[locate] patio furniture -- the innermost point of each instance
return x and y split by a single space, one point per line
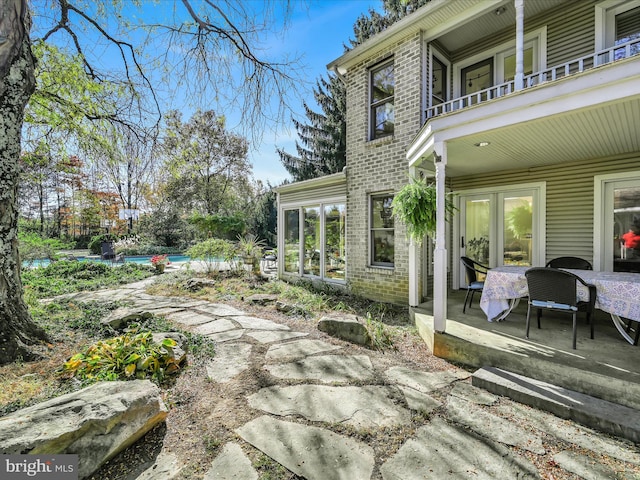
556 290
472 270
618 294
107 251
575 263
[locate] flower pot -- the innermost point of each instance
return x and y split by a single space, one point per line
160 267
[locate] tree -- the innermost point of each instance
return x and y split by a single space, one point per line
219 34
368 25
322 146
206 161
17 81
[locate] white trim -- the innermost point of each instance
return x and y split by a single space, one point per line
605 16
434 52
496 193
602 218
536 38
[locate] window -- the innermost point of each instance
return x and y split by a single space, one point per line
617 22
382 91
292 241
497 65
616 213
477 77
382 230
334 240
314 240
438 81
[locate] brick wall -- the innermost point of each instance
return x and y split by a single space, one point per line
380 166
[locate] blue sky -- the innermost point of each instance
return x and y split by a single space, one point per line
317 34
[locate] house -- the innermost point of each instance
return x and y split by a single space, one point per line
528 111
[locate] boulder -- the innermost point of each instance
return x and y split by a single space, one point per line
345 327
178 352
120 318
194 284
261 298
95 423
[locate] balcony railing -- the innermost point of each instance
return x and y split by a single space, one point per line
587 62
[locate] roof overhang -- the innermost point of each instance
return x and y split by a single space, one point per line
594 114
339 178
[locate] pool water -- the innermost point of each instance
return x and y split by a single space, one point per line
144 259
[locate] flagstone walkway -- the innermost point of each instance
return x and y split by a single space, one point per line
468 433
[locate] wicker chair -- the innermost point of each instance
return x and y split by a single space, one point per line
472 269
576 263
556 290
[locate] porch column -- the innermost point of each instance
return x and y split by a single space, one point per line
519 76
414 255
440 252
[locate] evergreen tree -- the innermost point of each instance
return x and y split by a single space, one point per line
368 25
322 146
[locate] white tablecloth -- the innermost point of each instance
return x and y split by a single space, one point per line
618 293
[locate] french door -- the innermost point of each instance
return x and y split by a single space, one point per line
501 227
620 224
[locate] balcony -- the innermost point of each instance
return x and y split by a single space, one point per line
596 60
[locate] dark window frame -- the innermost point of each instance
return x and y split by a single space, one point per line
374 104
372 229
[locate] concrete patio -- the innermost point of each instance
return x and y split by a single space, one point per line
606 367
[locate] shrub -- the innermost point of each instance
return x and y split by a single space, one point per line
34 247
212 252
132 355
96 242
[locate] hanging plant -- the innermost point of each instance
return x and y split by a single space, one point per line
415 206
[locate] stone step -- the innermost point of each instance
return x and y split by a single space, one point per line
593 412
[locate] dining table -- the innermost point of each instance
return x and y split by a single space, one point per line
617 293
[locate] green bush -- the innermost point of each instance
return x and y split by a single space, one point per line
212 252
34 247
132 355
96 242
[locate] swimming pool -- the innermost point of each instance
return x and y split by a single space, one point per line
143 259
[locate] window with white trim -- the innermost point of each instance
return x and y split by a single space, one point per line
617 22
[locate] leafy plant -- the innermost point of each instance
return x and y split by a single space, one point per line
132 355
34 247
415 206
212 252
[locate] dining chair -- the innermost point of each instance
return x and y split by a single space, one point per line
576 263
557 290
472 269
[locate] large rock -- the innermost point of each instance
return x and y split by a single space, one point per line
120 318
95 423
346 327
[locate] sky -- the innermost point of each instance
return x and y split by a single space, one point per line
318 34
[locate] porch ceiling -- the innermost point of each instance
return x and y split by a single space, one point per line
599 132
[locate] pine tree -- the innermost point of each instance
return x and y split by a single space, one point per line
322 146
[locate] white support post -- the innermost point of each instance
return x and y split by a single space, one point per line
519 75
440 252
414 268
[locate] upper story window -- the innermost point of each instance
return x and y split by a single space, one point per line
438 81
498 65
617 22
382 230
382 90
